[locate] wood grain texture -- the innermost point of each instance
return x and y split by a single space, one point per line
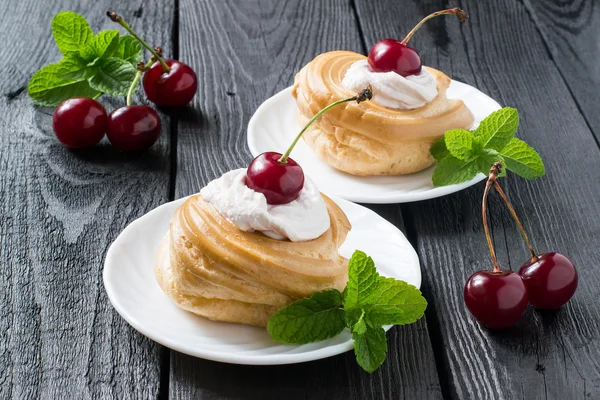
244 53
549 354
570 30
59 211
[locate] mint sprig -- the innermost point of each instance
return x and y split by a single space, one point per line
461 154
368 302
91 66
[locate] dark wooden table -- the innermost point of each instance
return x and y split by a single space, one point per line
60 210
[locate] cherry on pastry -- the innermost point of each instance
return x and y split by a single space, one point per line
279 177
394 55
79 122
550 278
168 83
497 298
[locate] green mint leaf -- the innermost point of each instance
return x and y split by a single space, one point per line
485 161
352 316
360 326
370 348
439 149
47 87
395 302
71 31
309 320
362 279
102 46
498 128
73 67
129 49
450 170
522 159
113 76
459 143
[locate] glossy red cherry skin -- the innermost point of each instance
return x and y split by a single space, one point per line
496 300
551 281
133 128
79 122
280 183
175 88
391 55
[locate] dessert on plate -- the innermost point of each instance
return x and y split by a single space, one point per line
254 241
230 256
392 134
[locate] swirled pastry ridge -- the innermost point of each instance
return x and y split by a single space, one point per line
206 265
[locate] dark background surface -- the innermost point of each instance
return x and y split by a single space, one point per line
60 210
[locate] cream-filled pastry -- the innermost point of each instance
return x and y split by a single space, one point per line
230 256
392 133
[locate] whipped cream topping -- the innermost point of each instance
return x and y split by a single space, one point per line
305 218
391 89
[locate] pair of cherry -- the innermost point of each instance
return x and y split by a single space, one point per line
82 122
498 298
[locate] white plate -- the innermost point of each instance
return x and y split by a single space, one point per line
135 294
274 125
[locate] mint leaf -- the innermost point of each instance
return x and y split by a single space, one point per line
439 149
485 161
362 279
360 326
370 348
459 143
450 170
129 49
73 67
113 76
47 87
309 320
522 159
498 128
395 302
71 31
102 46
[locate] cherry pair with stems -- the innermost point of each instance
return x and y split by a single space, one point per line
498 298
82 122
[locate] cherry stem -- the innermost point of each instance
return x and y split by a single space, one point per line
492 178
141 68
462 16
365 94
96 97
118 19
516 218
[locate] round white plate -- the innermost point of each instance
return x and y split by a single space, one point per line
135 294
274 126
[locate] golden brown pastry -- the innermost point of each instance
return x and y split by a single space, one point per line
208 266
368 138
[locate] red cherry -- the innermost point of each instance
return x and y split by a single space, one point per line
175 88
391 55
281 183
551 280
496 299
79 122
133 128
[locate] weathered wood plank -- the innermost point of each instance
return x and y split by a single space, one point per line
570 31
244 53
59 211
549 354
